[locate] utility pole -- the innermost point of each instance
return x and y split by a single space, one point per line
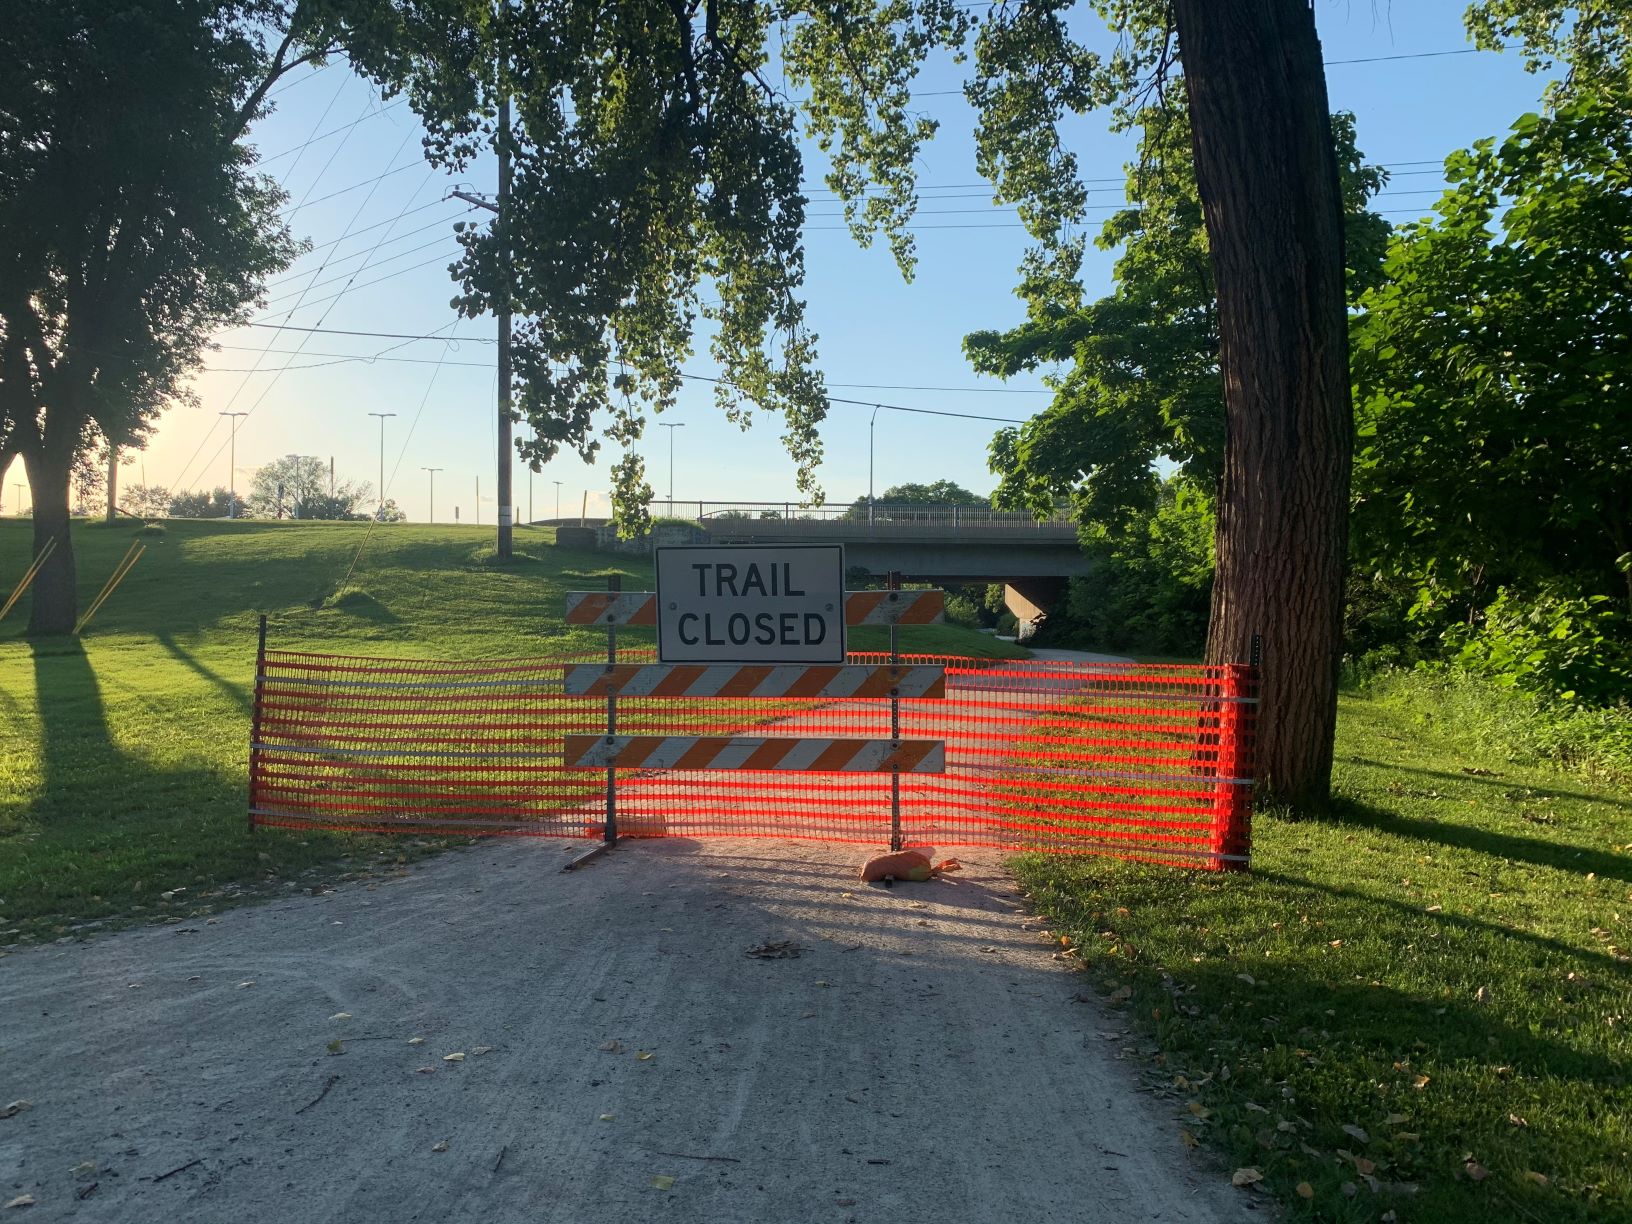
19 485
379 501
557 485
501 235
232 462
529 494
113 481
433 472
671 428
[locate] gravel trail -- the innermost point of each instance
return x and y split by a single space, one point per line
923 1058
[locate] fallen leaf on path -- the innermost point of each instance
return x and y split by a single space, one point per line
458 1056
83 1169
820 982
341 1016
480 1050
424 1070
1188 1139
1121 995
662 1181
22 1200
1305 1190
1246 1176
416 1041
643 1055
1356 1132
776 949
250 982
607 1117
612 1047
337 1047
440 1145
15 1108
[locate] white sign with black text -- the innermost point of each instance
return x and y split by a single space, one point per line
780 603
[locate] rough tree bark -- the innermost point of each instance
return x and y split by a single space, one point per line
1268 179
55 601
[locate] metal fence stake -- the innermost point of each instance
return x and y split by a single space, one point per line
895 721
614 584
255 721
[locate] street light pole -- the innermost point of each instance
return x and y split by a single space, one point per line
433 472
671 428
557 484
379 500
232 463
873 420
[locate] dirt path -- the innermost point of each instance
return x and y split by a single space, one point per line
924 1059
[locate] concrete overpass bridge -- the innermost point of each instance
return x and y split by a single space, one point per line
941 543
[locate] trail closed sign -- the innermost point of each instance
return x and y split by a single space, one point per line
743 604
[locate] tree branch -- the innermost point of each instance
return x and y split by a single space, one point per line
245 113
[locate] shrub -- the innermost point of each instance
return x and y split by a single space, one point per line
1556 642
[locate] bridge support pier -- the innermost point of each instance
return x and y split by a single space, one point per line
1030 599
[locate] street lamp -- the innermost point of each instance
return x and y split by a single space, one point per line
557 485
379 511
433 472
873 420
671 428
232 464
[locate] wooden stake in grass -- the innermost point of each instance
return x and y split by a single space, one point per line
28 576
133 555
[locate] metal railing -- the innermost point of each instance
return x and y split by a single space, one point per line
834 519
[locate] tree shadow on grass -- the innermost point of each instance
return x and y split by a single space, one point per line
1463 922
238 694
1559 855
1492 780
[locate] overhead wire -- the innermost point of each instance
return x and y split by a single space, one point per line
331 299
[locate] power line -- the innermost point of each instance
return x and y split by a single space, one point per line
345 127
289 212
363 229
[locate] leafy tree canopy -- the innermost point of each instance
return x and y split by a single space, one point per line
1589 41
1142 384
1494 367
297 486
199 503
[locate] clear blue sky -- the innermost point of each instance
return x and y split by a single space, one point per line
874 329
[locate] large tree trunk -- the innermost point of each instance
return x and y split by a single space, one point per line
55 605
1267 173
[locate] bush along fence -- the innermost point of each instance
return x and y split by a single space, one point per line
1142 761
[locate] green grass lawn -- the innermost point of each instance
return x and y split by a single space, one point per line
1418 1005
124 756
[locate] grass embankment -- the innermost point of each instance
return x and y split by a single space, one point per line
124 756
1418 1005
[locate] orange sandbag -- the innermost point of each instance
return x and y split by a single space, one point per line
905 865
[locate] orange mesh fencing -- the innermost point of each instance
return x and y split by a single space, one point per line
1142 761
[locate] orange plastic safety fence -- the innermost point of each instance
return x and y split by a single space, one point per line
1148 761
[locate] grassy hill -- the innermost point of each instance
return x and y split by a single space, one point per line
1415 1007
123 756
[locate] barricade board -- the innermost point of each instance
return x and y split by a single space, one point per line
746 752
764 680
